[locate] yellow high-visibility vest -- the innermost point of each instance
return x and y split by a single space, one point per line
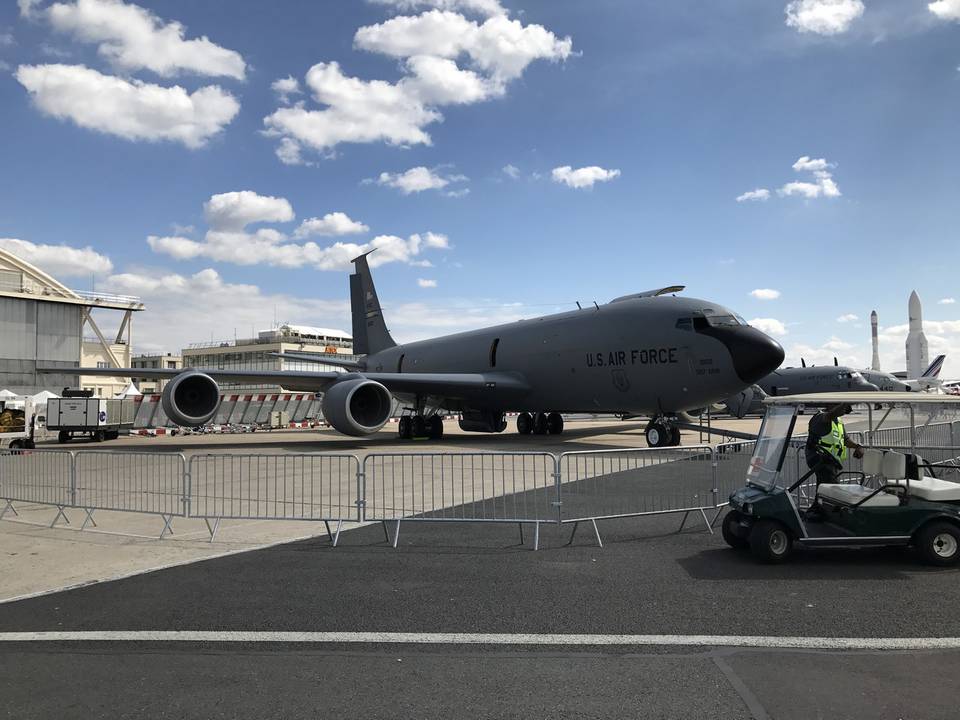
834 442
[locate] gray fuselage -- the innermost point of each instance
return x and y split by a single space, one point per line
647 355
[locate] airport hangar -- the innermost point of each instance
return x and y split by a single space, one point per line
43 322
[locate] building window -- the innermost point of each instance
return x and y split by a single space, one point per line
102 364
171 365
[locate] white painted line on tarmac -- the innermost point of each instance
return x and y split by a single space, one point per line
744 641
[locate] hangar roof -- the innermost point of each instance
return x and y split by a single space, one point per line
20 279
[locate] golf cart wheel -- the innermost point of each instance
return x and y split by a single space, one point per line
99 435
15 444
939 543
733 532
770 541
658 435
63 437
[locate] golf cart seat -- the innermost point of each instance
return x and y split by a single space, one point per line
852 493
925 487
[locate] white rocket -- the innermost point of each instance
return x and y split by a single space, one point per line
875 364
917 360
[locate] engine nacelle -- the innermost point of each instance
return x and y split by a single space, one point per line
357 407
483 421
191 399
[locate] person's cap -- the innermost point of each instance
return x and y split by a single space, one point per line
841 409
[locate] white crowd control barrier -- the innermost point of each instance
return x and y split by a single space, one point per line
606 484
31 476
496 487
463 487
317 487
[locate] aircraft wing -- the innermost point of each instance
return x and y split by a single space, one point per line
447 385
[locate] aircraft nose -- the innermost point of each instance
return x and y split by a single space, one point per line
755 354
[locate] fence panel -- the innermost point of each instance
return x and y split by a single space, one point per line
275 487
491 487
623 483
131 481
38 476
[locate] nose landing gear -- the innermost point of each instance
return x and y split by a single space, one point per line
661 433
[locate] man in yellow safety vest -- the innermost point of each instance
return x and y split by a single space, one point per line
827 443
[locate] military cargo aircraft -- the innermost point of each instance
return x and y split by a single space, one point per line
650 353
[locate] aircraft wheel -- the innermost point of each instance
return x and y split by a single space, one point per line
99 436
15 445
524 423
403 429
733 532
418 427
657 434
435 427
540 424
63 437
939 543
675 437
554 423
770 541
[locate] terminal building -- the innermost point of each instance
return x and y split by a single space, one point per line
260 353
167 361
43 323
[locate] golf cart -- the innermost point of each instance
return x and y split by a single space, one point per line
894 497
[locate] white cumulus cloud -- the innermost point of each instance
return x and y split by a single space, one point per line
765 294
848 317
133 38
945 9
771 326
418 179
584 177
758 194
426 283
431 47
130 109
480 7
285 87
823 186
236 210
823 17
946 301
59 260
229 239
331 224
511 171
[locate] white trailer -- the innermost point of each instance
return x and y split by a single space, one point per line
17 419
97 418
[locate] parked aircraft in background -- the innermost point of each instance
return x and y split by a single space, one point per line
797 381
929 380
650 353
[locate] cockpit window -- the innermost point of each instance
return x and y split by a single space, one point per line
723 321
685 324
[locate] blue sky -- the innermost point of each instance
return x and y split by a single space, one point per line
663 114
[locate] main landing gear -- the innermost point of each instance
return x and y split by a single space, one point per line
661 433
540 423
418 426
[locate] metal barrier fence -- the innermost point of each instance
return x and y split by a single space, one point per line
942 434
275 487
523 488
476 487
606 484
36 477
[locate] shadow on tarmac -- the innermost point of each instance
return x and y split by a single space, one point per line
842 564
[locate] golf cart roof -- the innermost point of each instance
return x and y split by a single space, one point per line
883 398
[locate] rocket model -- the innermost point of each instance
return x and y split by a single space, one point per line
875 364
916 341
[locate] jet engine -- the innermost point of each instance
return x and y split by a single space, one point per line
191 399
357 407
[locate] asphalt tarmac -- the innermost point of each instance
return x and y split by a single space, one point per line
457 578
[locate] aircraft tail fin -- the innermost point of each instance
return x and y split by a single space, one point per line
370 334
935 367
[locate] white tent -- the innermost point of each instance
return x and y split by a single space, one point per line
40 399
6 394
130 392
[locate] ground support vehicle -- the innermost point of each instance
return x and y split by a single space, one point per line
97 418
17 422
897 499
